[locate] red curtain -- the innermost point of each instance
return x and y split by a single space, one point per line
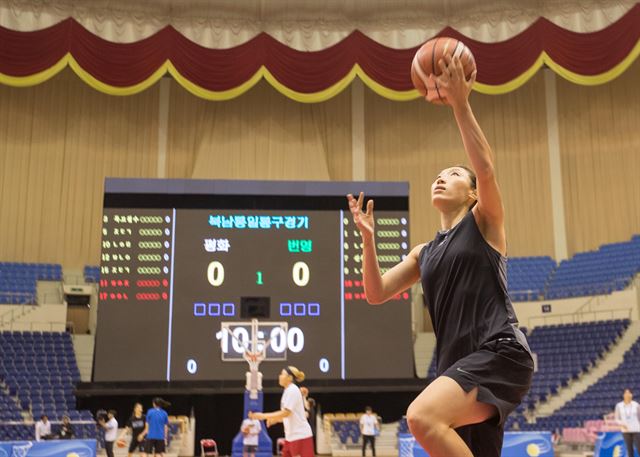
23 54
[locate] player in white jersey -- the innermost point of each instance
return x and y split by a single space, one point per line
297 431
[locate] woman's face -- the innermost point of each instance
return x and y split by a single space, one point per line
284 379
452 189
137 409
627 396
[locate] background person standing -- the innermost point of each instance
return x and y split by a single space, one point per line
628 414
369 428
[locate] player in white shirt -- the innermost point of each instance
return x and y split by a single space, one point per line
369 427
251 429
628 414
298 437
43 428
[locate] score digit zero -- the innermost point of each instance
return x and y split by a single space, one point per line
300 273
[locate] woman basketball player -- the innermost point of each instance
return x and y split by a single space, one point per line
298 438
484 363
135 426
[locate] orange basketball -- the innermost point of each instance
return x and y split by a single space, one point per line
426 60
121 443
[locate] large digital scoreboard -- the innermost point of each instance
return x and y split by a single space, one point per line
182 260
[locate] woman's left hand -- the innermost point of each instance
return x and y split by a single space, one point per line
453 82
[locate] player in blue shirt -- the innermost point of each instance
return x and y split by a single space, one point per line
156 430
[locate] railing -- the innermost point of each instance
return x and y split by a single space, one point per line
532 295
31 422
580 317
52 298
27 298
11 315
41 326
585 313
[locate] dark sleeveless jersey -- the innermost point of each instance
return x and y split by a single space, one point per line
465 288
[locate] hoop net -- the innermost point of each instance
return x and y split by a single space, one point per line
21 450
254 358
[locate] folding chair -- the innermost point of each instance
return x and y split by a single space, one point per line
208 447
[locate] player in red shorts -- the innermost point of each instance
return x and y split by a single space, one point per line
297 431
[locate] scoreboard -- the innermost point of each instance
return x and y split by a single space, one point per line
183 260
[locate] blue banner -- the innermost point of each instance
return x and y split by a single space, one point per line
515 444
531 444
265 445
610 444
52 448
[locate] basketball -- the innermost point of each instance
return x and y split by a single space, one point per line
426 60
121 443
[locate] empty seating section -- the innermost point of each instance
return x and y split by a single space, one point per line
18 280
91 274
38 372
600 398
527 277
565 351
347 431
40 369
9 408
343 426
610 268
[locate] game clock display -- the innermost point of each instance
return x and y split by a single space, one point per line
186 264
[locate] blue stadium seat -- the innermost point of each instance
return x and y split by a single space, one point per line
603 271
18 280
528 276
91 274
40 372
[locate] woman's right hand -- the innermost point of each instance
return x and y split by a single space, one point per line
364 221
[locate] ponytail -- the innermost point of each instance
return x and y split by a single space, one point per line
162 403
297 375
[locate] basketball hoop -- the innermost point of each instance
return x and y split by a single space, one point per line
252 341
254 377
256 347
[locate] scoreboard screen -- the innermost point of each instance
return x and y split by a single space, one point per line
185 264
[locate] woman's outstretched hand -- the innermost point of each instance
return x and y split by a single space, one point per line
363 220
453 81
